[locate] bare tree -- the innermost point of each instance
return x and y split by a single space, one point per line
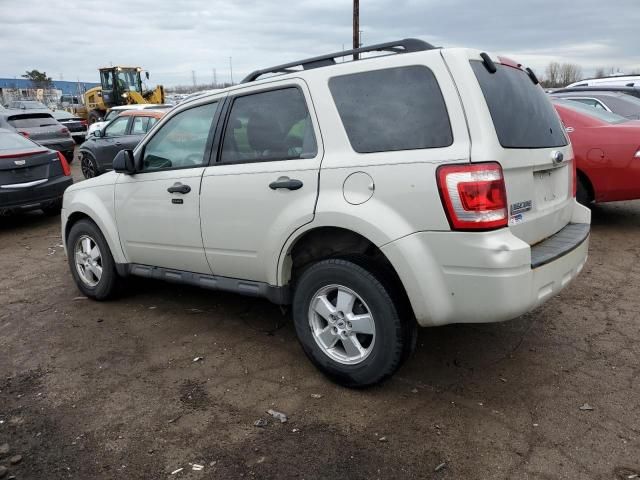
552 74
569 73
600 72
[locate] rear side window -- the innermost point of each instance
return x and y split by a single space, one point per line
32 120
266 126
522 114
140 125
392 109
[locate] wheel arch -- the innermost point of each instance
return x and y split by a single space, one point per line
104 221
324 242
582 176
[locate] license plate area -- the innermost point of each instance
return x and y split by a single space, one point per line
551 186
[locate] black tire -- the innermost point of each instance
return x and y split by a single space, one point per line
94 116
389 349
583 193
88 165
107 284
53 209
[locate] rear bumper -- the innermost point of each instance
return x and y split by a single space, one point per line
466 277
61 145
31 198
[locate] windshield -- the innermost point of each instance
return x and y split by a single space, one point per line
111 115
129 80
593 112
13 141
32 120
522 114
107 79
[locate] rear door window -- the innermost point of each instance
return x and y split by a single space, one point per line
32 120
522 114
140 125
267 126
392 109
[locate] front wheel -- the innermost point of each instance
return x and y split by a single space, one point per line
90 261
88 166
348 324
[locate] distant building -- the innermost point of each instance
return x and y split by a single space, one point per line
22 88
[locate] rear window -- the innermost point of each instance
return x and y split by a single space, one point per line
392 109
32 120
522 114
13 141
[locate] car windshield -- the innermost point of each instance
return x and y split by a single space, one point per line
111 115
13 141
31 120
593 112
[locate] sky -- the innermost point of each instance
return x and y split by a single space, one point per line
71 39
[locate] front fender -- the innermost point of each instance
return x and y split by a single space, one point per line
98 204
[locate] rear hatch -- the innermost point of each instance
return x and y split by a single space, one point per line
75 125
38 126
512 121
28 166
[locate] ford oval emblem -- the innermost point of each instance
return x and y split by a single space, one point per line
20 163
557 156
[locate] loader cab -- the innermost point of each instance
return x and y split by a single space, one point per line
117 83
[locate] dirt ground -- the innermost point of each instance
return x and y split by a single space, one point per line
111 390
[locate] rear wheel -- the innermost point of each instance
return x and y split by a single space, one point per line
88 166
53 208
90 261
583 193
348 324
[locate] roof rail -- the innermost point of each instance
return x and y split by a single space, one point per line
406 45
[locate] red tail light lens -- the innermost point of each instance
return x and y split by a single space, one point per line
84 122
23 133
66 169
64 130
474 196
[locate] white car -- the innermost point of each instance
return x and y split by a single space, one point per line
612 81
423 187
115 111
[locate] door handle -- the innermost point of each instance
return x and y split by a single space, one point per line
179 188
286 182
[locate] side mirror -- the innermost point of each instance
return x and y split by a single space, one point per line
146 74
124 162
97 133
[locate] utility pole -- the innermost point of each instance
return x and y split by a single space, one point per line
193 77
356 27
215 79
231 68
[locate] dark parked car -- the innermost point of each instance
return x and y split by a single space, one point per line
633 91
614 102
31 176
77 126
40 127
122 133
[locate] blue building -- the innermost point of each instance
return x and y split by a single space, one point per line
67 88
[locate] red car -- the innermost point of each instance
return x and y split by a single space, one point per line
607 151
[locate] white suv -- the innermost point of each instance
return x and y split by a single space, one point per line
422 187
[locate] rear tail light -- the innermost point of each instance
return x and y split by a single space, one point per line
473 195
23 133
637 155
64 130
84 122
66 169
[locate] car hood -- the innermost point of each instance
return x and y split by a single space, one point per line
108 178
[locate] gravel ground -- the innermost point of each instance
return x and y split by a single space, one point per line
111 390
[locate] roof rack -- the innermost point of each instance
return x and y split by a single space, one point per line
406 45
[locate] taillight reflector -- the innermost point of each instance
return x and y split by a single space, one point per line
66 169
474 196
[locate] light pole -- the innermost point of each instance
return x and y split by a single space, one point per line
231 68
356 27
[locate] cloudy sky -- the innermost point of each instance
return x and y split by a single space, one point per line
172 38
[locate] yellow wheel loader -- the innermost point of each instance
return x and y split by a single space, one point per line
119 86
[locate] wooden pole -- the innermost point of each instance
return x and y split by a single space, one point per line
356 27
